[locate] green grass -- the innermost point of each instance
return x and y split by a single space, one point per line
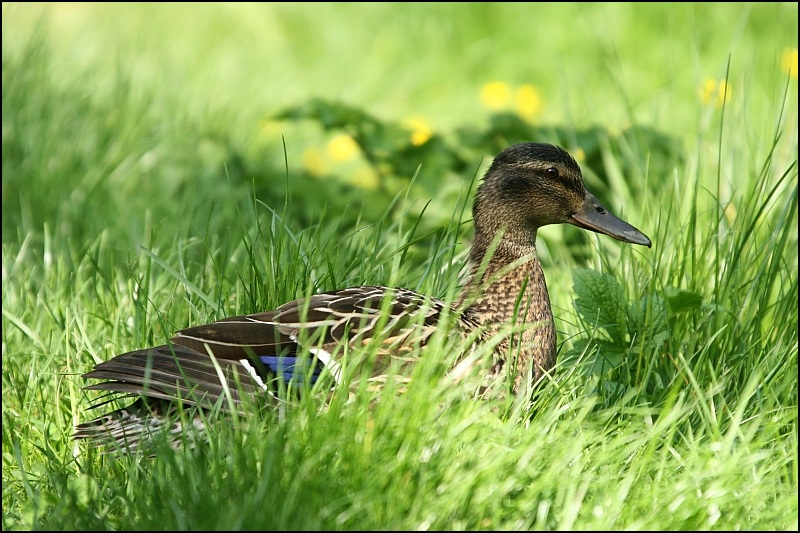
146 188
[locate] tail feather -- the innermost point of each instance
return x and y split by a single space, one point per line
173 372
135 427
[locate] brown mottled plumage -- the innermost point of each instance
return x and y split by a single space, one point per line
528 186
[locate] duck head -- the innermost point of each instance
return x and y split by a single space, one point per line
530 185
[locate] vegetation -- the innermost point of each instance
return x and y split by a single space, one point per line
166 165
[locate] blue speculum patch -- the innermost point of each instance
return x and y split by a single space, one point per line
290 367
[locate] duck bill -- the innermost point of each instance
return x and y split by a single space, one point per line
593 216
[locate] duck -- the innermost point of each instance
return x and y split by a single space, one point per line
527 186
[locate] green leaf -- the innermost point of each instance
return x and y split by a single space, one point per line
603 356
601 302
649 319
681 300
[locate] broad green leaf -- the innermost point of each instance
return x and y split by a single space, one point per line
599 356
600 301
649 319
681 300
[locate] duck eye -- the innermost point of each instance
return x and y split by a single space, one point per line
552 172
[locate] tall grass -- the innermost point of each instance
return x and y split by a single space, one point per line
130 211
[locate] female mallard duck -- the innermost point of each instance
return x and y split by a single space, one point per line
529 185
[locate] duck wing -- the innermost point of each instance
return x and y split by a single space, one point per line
244 354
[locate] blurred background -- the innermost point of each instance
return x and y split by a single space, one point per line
150 114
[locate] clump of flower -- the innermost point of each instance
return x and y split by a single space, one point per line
342 147
340 157
420 130
525 100
314 162
529 102
496 95
789 62
715 91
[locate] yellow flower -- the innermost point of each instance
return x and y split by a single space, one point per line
342 147
717 91
496 95
580 155
314 162
789 61
730 212
420 131
529 102
365 177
